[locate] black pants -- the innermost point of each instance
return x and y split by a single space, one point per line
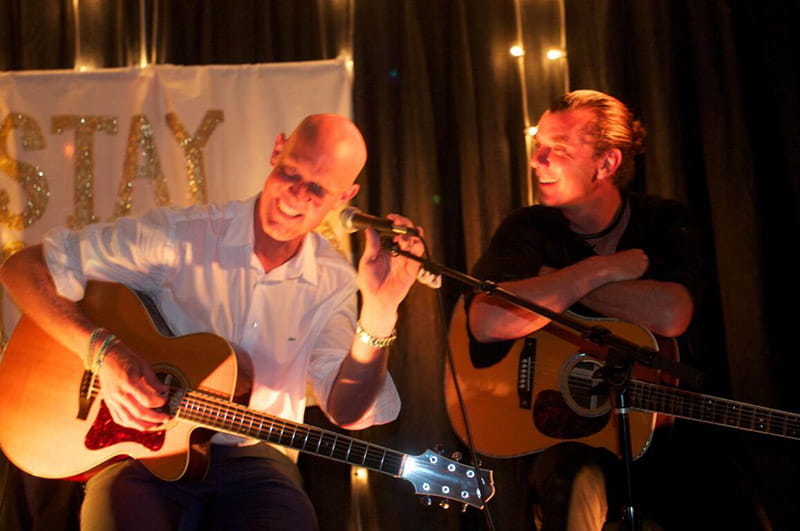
246 488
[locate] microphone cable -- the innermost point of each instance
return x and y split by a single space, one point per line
437 281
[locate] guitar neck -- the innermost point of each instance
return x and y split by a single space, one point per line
210 411
655 398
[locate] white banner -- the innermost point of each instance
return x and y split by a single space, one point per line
80 147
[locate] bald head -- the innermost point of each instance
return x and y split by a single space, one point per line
332 143
313 173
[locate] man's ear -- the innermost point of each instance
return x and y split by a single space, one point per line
349 194
611 161
277 149
346 196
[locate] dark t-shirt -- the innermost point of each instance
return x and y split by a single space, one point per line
692 475
534 236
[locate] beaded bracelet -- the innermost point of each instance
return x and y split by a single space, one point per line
95 357
88 361
109 342
368 339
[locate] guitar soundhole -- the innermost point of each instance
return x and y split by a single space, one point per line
177 382
584 393
579 409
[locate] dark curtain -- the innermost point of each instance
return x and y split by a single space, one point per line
438 98
715 83
248 31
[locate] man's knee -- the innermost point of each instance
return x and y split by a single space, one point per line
588 505
124 496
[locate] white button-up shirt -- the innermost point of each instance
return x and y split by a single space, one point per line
295 322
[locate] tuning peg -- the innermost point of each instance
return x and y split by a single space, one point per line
426 501
464 507
439 449
457 456
444 504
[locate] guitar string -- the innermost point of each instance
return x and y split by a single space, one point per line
375 456
695 406
210 409
673 401
212 406
207 410
720 411
698 407
705 408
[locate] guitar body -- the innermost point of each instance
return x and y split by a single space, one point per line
48 430
540 394
40 386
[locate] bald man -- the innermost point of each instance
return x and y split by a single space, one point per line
254 273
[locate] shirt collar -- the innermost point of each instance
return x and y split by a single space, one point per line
302 266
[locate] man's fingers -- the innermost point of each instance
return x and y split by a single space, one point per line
127 412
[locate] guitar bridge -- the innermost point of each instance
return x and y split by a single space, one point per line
527 358
86 396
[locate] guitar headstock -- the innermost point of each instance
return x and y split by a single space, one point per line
435 475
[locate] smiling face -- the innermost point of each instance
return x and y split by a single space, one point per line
566 167
313 173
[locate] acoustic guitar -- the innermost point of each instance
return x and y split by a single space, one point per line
52 425
545 391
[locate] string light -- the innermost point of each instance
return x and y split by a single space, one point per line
547 60
76 57
349 65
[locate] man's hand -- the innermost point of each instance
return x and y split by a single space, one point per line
624 265
131 390
384 279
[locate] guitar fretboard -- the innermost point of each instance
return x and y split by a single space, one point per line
712 410
210 411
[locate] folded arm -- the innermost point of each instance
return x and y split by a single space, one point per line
610 285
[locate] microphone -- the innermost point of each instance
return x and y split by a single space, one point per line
352 219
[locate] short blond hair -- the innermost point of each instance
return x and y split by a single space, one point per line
613 127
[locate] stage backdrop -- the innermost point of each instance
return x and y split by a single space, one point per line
81 147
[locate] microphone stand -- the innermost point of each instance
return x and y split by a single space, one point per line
620 358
